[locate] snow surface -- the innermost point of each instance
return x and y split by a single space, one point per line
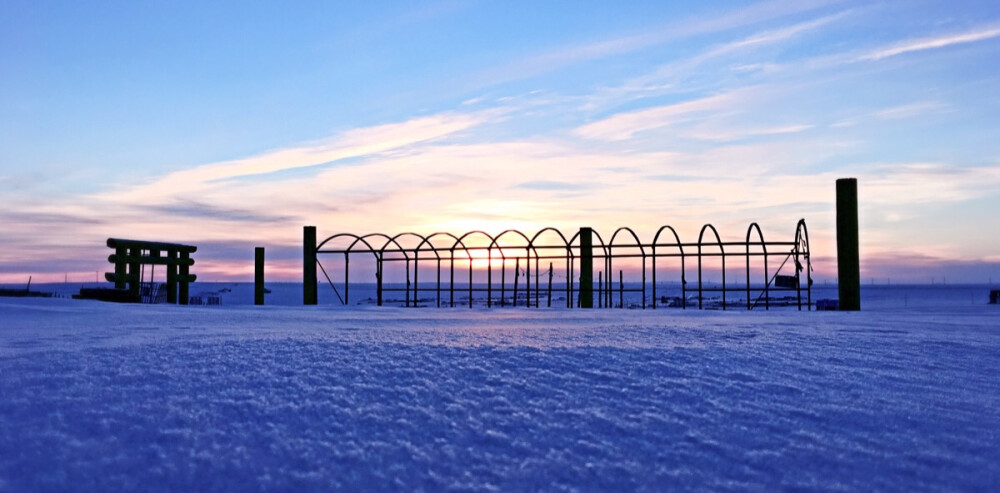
98 397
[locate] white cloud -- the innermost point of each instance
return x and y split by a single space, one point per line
922 44
624 125
582 52
909 110
354 143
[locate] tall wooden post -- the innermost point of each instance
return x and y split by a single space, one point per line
134 275
848 263
172 276
586 268
121 268
258 276
184 278
309 265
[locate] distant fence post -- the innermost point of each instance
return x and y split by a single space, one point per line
848 263
258 276
586 268
309 265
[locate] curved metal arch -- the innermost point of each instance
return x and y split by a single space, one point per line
416 263
802 241
800 227
503 270
355 242
597 235
701 235
461 239
556 231
767 283
677 237
680 246
642 251
434 249
347 253
395 239
495 241
567 244
722 249
611 242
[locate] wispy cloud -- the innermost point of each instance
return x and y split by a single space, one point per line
909 110
624 125
730 134
774 35
583 52
921 44
351 144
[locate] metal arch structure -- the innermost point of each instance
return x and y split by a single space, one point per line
464 253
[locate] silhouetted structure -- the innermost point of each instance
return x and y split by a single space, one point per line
131 255
848 263
258 276
995 296
549 244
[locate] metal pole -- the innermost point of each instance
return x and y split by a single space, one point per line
621 289
550 285
848 263
309 265
517 275
378 279
586 268
600 289
258 276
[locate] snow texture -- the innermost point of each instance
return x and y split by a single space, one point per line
101 397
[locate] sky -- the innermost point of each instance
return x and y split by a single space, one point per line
231 125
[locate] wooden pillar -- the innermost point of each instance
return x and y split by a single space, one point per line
848 263
121 268
258 276
184 278
586 268
172 276
309 265
134 276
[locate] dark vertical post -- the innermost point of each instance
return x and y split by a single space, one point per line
172 276
309 265
134 276
848 263
120 267
503 280
517 275
184 294
653 298
378 279
586 268
621 289
258 276
600 289
550 285
537 283
527 278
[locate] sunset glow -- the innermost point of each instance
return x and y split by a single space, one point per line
460 117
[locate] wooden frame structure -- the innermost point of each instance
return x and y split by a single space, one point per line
131 255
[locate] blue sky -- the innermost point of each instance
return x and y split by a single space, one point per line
232 125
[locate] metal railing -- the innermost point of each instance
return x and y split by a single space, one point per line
501 261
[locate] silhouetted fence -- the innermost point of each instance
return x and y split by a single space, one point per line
444 266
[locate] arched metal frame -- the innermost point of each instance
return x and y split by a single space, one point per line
445 249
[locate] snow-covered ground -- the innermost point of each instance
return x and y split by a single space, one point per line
98 397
